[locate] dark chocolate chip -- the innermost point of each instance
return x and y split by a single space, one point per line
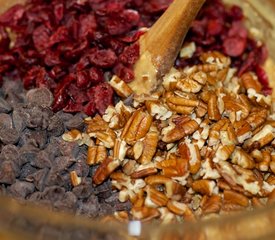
8 172
5 107
40 96
56 127
21 189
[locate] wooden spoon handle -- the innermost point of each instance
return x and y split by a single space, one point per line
166 36
160 46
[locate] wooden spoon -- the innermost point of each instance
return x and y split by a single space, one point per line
160 46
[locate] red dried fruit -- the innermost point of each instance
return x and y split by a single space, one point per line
214 27
102 95
124 72
87 25
234 46
130 54
104 58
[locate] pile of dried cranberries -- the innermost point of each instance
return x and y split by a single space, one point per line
73 47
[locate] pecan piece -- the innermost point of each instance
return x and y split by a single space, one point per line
72 136
204 186
120 87
95 124
212 204
155 198
179 130
250 80
181 209
137 126
96 154
235 198
75 180
105 169
213 111
150 144
145 213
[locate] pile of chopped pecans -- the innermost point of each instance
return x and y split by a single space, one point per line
202 144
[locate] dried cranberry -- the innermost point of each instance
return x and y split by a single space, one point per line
124 72
96 75
104 58
263 78
89 108
234 46
87 25
102 95
41 37
130 54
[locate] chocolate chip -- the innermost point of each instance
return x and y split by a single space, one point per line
10 152
38 178
56 127
88 207
81 168
9 135
62 163
54 193
67 203
54 179
5 107
5 121
18 118
21 189
8 172
39 117
40 96
42 160
37 138
75 122
26 170
84 190
27 153
68 148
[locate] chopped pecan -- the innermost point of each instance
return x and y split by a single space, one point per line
137 126
144 171
191 152
129 166
263 137
75 180
150 144
120 149
106 138
120 87
243 159
95 124
158 110
181 209
204 187
188 85
72 136
96 154
212 110
265 163
212 204
235 198
145 213
250 80
179 130
105 169
155 198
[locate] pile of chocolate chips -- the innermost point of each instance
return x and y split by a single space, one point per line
35 163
